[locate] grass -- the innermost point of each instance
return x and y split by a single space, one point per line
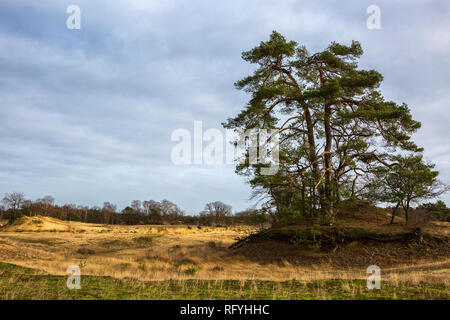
143 240
174 262
25 283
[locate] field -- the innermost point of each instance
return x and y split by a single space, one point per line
174 262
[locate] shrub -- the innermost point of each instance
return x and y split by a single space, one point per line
162 229
191 271
85 251
212 244
82 264
142 266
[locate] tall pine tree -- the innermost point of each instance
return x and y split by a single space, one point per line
334 123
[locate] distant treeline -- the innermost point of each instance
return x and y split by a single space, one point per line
216 213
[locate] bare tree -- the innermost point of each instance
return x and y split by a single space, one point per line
14 200
218 210
108 211
153 210
136 205
168 208
46 202
84 210
146 206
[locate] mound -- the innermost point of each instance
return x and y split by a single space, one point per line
361 211
348 255
40 223
362 235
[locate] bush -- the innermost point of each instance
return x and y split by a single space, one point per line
85 251
191 271
212 244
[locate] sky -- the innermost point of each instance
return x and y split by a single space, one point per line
86 115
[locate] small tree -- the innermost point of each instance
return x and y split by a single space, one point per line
408 180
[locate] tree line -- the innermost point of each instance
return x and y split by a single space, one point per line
217 213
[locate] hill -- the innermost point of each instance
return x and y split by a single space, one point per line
361 236
48 224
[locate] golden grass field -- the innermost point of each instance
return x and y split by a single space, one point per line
159 253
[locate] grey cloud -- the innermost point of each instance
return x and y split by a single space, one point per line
86 115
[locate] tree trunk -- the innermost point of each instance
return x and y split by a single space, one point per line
406 208
312 151
393 213
303 198
328 210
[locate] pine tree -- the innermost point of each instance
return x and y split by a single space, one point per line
334 123
408 180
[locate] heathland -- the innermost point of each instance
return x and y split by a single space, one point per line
289 261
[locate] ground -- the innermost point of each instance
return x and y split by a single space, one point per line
170 262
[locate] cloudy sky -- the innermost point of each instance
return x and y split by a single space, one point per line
87 115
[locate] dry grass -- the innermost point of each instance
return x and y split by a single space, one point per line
24 283
176 253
